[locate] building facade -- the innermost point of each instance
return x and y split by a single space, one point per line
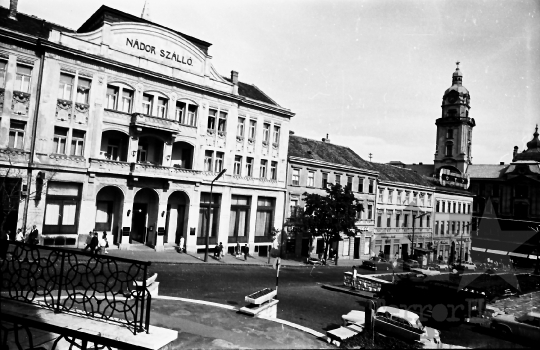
122 126
312 165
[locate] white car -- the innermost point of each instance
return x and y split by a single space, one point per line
428 271
465 266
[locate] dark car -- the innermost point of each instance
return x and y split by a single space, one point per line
376 263
410 264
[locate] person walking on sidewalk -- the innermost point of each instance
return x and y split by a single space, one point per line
88 241
94 244
216 251
104 243
19 237
33 236
181 244
246 252
238 249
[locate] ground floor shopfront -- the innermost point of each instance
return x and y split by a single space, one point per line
153 212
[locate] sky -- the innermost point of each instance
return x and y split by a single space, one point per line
370 73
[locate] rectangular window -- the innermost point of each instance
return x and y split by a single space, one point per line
311 179
162 107
454 208
444 207
453 227
450 134
112 97
275 138
371 188
421 221
142 153
436 228
262 172
16 134
360 184
249 167
296 177
24 74
77 142
240 127
379 219
346 246
113 149
180 112
367 245
127 100
104 214
349 182
428 220
266 132
273 170
370 212
324 180
237 165
60 140
468 208
3 69
397 219
191 115
437 206
406 220
208 155
442 228
252 129
381 193
83 90
219 162
338 179
209 220
222 120
428 200
61 208
264 218
212 114
239 220
66 87
388 219
390 196
147 104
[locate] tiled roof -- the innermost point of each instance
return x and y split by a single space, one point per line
486 171
253 92
324 151
398 174
27 24
422 169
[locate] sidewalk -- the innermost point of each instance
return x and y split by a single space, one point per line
173 257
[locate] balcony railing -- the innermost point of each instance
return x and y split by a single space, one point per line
109 166
138 119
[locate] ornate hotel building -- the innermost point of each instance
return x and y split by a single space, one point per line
122 126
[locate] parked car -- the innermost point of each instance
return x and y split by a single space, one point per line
465 266
410 264
441 266
525 327
376 263
428 271
403 324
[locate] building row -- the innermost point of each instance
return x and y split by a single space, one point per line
124 126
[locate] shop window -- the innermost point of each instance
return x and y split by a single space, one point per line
208 219
265 212
83 90
16 134
239 219
23 78
262 172
273 170
66 87
240 127
147 102
77 142
112 97
104 214
311 179
62 206
237 169
249 167
3 69
60 140
361 184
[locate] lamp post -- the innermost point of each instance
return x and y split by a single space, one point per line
208 214
413 223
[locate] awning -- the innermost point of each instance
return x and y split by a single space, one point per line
479 249
423 250
500 252
519 255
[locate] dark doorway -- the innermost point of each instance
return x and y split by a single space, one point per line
405 251
263 250
305 247
387 251
356 247
320 247
138 224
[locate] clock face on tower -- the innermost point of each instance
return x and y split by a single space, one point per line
453 96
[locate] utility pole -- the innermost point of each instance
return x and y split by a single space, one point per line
208 214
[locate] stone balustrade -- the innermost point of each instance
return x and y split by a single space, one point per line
108 166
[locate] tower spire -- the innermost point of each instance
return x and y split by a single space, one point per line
146 11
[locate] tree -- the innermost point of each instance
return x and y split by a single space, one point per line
331 215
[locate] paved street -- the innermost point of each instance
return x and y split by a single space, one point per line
302 299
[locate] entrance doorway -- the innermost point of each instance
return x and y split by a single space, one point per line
404 251
138 223
109 208
387 251
356 247
176 221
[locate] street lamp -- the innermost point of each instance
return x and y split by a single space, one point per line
208 214
413 223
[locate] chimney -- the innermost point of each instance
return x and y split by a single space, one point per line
501 163
291 132
326 140
234 80
515 153
13 9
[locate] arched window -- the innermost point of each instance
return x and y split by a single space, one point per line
448 149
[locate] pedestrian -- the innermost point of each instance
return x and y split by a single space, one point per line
440 259
221 251
331 254
33 236
354 273
19 237
182 244
88 241
94 244
238 249
381 254
336 259
246 252
104 243
216 251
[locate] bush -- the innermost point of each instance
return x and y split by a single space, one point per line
362 341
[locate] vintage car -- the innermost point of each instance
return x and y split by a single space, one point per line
376 263
428 271
526 327
465 266
440 266
410 264
403 324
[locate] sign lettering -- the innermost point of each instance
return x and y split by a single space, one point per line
173 56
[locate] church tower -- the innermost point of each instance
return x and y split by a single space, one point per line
454 128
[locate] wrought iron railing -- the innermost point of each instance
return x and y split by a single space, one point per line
69 281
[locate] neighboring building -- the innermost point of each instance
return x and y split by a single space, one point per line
404 213
122 125
312 165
